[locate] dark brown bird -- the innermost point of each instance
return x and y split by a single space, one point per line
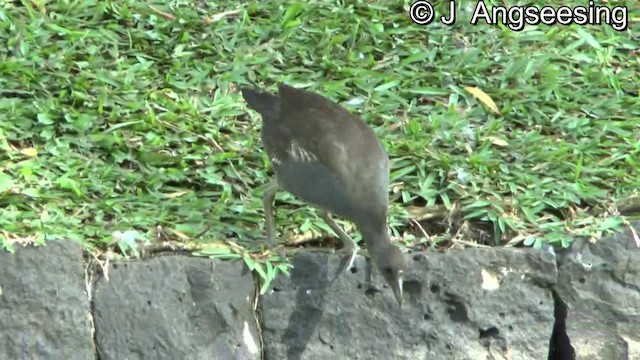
330 158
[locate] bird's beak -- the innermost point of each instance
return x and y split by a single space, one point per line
397 288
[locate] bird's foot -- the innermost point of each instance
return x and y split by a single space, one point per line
347 261
350 252
372 289
272 246
280 251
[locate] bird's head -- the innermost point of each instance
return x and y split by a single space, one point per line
391 263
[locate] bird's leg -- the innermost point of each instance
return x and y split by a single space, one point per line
349 245
371 288
369 274
267 202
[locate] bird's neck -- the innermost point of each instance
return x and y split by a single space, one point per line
375 234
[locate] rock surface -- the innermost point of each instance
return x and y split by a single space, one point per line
176 307
43 304
494 303
600 284
472 304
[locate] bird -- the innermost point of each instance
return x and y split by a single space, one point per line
331 159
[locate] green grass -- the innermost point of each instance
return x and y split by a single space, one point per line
140 133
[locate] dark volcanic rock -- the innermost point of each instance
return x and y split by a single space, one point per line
176 308
600 284
473 304
44 310
470 304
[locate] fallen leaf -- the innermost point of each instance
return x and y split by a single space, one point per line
497 141
483 97
174 195
30 152
217 17
164 14
180 234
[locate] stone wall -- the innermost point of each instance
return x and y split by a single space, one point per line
498 303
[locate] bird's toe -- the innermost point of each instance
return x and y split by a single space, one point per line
350 253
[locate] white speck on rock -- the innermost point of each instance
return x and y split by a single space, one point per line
490 282
248 339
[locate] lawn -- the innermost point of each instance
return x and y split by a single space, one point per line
121 121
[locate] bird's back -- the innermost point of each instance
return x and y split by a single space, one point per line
322 153
323 124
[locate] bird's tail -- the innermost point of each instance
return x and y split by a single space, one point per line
268 105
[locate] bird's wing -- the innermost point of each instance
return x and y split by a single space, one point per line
336 137
341 142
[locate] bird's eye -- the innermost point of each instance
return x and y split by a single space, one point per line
387 270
